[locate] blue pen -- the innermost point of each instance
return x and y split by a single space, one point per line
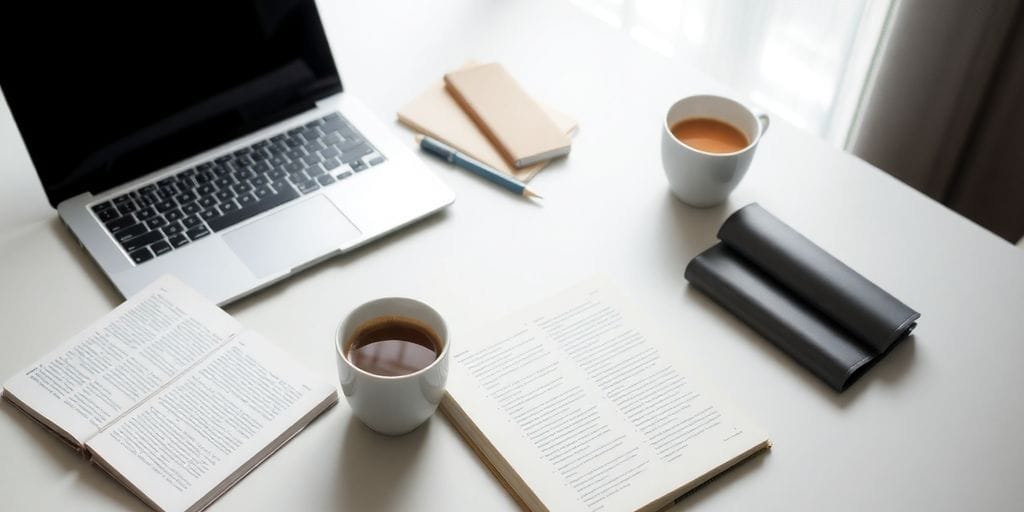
445 152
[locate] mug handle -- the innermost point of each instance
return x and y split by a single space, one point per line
763 120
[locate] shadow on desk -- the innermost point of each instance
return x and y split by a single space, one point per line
68 461
374 467
889 369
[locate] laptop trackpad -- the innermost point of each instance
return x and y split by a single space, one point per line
295 235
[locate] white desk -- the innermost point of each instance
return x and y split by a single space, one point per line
935 426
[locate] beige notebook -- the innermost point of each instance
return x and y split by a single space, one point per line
581 403
436 114
516 125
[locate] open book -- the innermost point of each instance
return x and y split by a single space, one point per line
171 396
577 403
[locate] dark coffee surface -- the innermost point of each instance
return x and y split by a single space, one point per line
393 346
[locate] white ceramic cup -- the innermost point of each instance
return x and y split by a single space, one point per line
393 405
699 178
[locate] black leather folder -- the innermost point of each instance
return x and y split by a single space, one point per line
821 312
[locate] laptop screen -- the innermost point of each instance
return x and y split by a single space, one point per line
103 92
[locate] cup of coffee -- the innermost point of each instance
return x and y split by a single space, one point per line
707 143
392 357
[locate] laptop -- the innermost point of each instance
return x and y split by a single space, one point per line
208 140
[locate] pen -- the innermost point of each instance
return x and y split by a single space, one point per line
445 152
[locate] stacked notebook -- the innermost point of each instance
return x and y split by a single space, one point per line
822 313
482 111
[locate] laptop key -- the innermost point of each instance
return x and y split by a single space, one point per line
209 213
164 206
314 171
307 186
126 207
206 189
225 195
332 163
141 255
172 229
246 199
376 160
228 206
191 221
161 247
130 232
359 166
101 206
141 241
207 201
191 208
197 232
325 180
344 175
156 222
119 200
145 213
178 240
108 214
262 191
232 217
185 197
311 159
355 153
173 215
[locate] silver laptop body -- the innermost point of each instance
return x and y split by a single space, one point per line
274 169
238 260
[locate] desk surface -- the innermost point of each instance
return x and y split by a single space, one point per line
935 426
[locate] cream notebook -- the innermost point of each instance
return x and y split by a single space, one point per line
579 403
516 125
436 114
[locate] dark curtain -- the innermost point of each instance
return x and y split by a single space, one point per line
944 109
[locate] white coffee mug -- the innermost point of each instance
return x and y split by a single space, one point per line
699 178
393 405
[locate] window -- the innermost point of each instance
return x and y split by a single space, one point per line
807 62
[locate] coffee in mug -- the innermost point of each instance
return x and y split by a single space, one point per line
392 356
707 143
393 346
710 135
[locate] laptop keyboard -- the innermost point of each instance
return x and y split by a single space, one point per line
161 217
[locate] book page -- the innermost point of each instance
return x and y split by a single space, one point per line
122 359
592 408
192 440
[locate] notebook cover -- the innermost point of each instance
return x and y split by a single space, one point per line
821 312
436 114
874 316
516 125
792 325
